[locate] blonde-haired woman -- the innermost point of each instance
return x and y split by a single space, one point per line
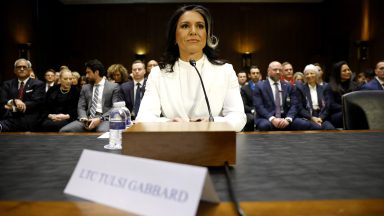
117 73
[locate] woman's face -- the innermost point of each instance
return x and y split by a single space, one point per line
191 35
66 79
116 76
345 73
310 77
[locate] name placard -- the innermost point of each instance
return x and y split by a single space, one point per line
141 186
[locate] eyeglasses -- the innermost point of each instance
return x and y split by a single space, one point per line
21 67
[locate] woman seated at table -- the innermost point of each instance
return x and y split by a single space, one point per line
174 89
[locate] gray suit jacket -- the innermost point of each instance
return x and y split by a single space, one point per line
110 95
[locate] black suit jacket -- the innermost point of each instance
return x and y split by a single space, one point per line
247 96
34 94
305 101
127 93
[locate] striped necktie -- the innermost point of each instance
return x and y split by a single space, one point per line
95 99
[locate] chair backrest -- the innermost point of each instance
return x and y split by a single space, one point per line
363 110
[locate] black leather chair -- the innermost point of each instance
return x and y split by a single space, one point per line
363 110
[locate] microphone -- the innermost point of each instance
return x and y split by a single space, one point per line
193 63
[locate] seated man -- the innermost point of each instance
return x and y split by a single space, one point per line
247 96
95 102
276 103
132 91
376 83
21 100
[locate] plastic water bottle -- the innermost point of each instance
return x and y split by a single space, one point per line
128 120
117 121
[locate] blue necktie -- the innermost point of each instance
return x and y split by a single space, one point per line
137 99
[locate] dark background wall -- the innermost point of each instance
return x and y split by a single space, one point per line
301 33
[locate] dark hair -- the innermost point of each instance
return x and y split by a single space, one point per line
335 79
172 51
95 65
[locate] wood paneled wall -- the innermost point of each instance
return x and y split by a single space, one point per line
300 33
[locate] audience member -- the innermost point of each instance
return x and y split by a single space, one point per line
276 103
376 83
49 77
247 96
83 81
32 74
311 102
298 76
95 102
360 78
57 77
174 90
242 78
340 83
61 103
321 74
22 98
132 91
288 73
151 64
369 74
76 79
117 73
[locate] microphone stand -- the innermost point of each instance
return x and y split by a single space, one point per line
193 63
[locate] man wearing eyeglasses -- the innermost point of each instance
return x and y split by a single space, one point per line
22 99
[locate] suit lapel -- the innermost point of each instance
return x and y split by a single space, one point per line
284 88
131 91
307 94
15 88
268 87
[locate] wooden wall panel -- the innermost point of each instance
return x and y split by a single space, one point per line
299 33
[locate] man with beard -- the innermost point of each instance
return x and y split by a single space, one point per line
276 103
95 102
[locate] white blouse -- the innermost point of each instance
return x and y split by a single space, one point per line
179 94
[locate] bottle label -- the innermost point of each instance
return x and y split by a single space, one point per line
117 125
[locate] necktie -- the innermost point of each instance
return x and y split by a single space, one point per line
277 100
20 94
95 99
137 99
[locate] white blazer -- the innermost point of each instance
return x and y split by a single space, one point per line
163 95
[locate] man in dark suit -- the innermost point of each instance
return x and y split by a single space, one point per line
247 96
21 100
95 102
132 91
276 103
376 83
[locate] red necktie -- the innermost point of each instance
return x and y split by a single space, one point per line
20 95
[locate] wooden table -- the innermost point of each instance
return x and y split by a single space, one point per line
277 173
